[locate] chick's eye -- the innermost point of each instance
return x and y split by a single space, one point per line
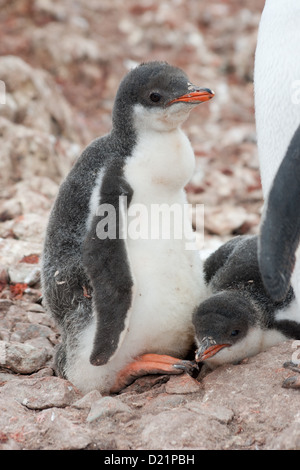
155 97
234 332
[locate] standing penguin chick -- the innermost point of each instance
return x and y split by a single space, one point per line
118 297
240 319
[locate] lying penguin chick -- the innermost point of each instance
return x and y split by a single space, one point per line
229 329
240 319
123 300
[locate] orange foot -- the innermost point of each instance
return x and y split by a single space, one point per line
151 364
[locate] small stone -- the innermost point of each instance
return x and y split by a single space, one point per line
4 334
12 251
6 376
35 308
163 401
24 273
3 274
106 407
292 382
87 400
21 358
182 384
45 372
221 413
41 393
61 432
287 439
24 331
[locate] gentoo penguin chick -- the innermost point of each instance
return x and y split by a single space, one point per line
277 111
123 298
240 319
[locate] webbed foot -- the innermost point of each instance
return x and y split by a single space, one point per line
151 364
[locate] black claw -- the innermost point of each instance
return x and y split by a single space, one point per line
292 366
291 382
187 366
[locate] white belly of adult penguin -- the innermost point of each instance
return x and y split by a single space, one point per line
277 104
114 297
277 84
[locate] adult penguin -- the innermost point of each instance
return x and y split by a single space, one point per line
277 107
276 84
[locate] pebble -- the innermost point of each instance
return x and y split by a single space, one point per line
62 433
42 392
87 400
292 382
182 384
22 358
24 273
221 413
107 407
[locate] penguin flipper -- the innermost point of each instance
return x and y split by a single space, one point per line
107 265
151 364
280 229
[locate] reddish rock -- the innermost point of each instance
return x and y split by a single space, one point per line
182 384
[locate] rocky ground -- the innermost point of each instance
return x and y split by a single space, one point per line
61 63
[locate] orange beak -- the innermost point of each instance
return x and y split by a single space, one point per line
198 96
209 352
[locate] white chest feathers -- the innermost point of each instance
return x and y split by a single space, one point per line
162 163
